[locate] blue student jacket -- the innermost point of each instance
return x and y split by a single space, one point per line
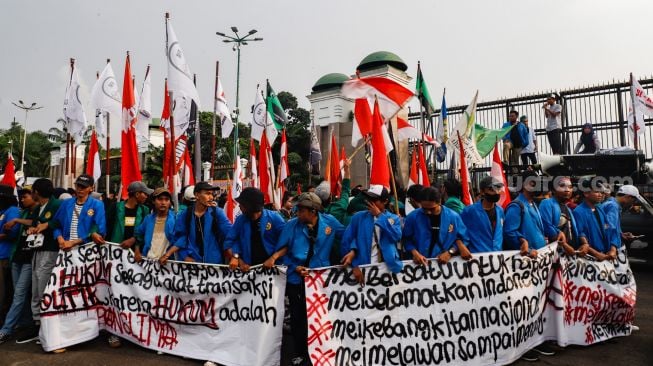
599 238
295 237
91 219
144 232
529 226
523 132
6 246
550 212
185 235
613 214
239 238
417 231
482 238
358 236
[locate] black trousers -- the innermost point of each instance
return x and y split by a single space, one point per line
525 157
298 321
555 140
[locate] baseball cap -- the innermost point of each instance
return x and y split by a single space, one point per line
84 180
310 200
552 96
138 186
204 186
323 190
490 182
161 191
629 190
252 198
189 193
377 191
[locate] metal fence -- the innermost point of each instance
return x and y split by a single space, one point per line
605 106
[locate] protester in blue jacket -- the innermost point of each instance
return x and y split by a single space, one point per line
523 229
593 224
201 228
254 234
372 235
484 219
306 242
155 235
558 219
81 218
8 212
515 140
434 230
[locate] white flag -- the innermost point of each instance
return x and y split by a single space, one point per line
73 109
237 184
223 111
180 82
643 102
261 119
465 128
641 125
105 98
144 117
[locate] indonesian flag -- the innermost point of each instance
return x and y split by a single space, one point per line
464 176
187 168
9 178
379 171
413 177
130 170
230 205
333 168
430 140
497 173
392 96
93 161
284 170
223 111
405 131
362 126
423 177
266 173
252 165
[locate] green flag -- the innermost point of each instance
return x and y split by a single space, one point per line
423 92
486 138
275 110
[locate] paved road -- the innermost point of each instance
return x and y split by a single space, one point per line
632 351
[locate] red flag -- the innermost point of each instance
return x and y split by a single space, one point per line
130 170
423 171
265 177
497 173
189 177
380 172
284 170
230 205
464 176
93 160
413 178
363 121
334 167
299 188
252 165
10 173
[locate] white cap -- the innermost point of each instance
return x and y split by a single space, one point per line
630 190
189 193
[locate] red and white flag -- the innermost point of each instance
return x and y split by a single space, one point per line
392 96
93 162
423 176
284 171
130 169
413 178
233 191
464 176
406 131
266 173
343 158
379 171
496 172
362 126
253 170
9 177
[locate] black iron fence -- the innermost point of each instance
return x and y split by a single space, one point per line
605 106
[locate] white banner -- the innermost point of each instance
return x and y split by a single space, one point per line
486 311
642 100
200 311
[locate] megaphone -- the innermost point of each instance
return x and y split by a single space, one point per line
549 161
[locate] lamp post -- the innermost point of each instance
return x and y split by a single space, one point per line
238 41
26 108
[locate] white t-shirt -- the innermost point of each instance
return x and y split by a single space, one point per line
375 251
554 122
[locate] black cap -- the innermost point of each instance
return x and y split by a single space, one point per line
85 180
377 192
204 186
252 198
490 182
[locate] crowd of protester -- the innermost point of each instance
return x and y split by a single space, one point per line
364 225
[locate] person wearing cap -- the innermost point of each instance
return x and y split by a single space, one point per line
434 230
21 269
528 152
553 114
558 220
627 195
484 219
125 216
372 235
593 224
253 237
8 211
187 198
305 242
201 228
154 235
523 229
589 141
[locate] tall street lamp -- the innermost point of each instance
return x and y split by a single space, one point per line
26 108
238 41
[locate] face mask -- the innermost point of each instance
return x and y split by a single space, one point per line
494 198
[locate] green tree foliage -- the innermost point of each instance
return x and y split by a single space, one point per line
37 150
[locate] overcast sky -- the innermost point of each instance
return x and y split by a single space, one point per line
502 48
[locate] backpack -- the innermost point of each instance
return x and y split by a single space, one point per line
515 137
215 228
521 219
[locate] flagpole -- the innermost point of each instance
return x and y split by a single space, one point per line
421 109
141 155
68 177
215 116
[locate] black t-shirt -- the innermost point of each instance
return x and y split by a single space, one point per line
597 215
199 232
23 255
312 238
565 223
492 215
130 222
435 232
259 254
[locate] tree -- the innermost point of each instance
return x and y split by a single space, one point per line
37 149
